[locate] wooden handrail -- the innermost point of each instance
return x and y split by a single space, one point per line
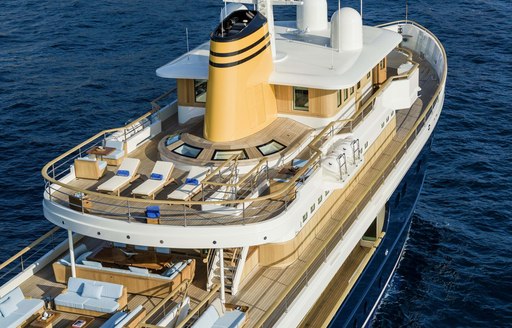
196 309
335 229
29 247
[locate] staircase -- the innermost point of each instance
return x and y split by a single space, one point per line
234 260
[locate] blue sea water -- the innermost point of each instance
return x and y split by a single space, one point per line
69 69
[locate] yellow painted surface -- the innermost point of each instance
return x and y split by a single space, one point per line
240 101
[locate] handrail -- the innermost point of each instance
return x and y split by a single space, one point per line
29 247
287 187
230 160
151 313
335 230
196 309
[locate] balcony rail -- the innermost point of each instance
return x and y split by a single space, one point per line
348 216
179 212
31 253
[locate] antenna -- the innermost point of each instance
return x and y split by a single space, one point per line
361 12
406 11
188 48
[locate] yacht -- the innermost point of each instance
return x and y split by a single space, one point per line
272 187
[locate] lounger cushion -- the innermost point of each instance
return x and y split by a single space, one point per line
163 250
92 264
92 291
106 305
116 154
79 250
148 187
8 307
102 165
207 319
80 259
16 295
139 270
123 173
114 144
25 309
169 272
71 299
231 319
133 313
156 176
114 320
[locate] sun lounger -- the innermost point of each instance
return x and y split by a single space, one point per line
158 179
191 186
126 173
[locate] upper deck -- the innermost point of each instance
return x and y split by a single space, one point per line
305 60
260 196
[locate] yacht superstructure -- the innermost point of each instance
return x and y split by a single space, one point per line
275 188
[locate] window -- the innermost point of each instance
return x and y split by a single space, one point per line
368 75
223 155
358 85
301 99
305 217
200 87
187 151
312 209
339 98
172 139
270 148
382 63
351 91
320 199
345 94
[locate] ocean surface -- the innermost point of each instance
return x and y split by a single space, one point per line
69 69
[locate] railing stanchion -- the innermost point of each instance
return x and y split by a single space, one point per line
22 264
185 213
129 211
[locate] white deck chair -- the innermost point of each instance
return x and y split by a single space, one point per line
187 190
126 173
158 179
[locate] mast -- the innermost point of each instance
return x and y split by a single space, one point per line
265 7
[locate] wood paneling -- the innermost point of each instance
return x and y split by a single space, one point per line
186 94
136 284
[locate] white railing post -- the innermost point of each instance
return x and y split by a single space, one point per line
71 253
222 282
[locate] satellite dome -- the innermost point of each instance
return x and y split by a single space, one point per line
312 15
346 30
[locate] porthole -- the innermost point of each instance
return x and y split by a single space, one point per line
312 208
305 217
382 125
320 199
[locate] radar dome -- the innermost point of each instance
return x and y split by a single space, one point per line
312 15
346 30
229 8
